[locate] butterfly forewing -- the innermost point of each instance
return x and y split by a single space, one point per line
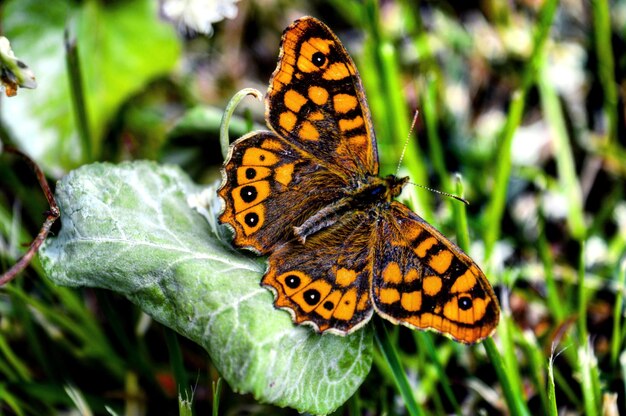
423 280
269 187
316 100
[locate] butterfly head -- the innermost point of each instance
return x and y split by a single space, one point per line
395 185
374 190
377 189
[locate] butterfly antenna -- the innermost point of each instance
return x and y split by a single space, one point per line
406 142
458 198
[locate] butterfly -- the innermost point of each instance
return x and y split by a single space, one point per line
307 194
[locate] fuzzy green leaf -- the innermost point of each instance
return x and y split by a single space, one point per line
130 228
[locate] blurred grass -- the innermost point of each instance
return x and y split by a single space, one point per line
503 168
550 232
606 68
392 360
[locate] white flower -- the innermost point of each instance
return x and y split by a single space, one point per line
198 15
555 204
596 251
13 72
531 144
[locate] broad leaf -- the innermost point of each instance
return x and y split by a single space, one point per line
121 45
130 228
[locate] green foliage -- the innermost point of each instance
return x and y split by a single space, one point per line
129 228
115 47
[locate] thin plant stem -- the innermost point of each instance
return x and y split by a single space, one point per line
569 184
51 216
606 66
618 313
582 302
228 113
516 404
79 104
393 361
495 210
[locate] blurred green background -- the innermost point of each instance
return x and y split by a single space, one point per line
524 99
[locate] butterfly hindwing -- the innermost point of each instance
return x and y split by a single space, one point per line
424 281
326 281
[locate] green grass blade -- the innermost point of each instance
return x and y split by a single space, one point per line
555 303
516 403
587 361
393 361
565 387
596 384
37 341
6 372
176 360
185 406
622 362
393 119
509 354
460 216
495 209
132 391
79 400
14 368
536 364
77 323
552 407
442 377
217 389
569 183
618 313
606 67
582 298
77 92
431 118
9 401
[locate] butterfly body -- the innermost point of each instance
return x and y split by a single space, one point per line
371 195
308 195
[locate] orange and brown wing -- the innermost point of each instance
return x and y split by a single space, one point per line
424 281
269 187
326 281
316 100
